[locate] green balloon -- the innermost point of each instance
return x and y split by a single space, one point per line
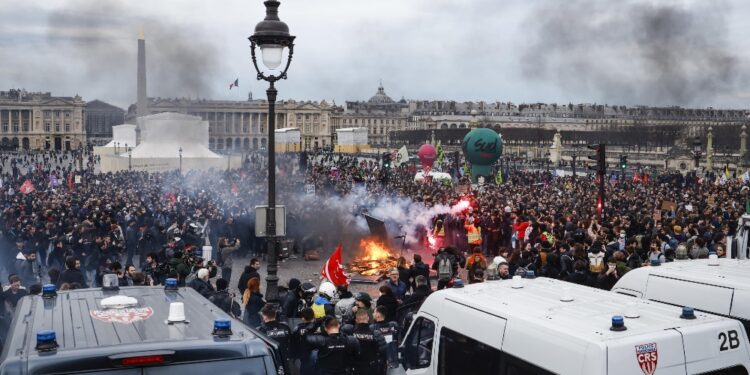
482 147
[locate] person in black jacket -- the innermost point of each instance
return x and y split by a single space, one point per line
71 274
390 332
299 347
277 331
388 300
418 268
372 345
201 283
336 351
225 300
290 305
251 271
581 275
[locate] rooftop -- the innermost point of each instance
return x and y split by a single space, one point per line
588 317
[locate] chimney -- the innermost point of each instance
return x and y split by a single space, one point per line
142 102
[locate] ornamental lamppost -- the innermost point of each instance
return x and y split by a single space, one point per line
130 158
180 150
272 36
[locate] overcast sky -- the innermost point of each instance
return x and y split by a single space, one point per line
687 53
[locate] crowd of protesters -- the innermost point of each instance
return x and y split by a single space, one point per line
73 225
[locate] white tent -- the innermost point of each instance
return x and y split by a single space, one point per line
163 134
123 135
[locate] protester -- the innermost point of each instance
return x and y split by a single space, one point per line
224 299
253 301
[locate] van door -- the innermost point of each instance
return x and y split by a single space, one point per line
659 353
713 346
419 346
705 297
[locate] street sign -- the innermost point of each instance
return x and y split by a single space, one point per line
260 221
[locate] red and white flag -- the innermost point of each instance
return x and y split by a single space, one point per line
333 270
27 187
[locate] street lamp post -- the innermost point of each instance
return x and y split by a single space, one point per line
272 36
180 160
130 158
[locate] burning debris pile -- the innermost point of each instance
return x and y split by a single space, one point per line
376 261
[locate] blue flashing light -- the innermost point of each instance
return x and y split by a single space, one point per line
687 313
49 291
618 323
222 328
46 340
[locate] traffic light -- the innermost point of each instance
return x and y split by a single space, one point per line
600 158
623 161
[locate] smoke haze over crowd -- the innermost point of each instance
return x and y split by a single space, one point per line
688 53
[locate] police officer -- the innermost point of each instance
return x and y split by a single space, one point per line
276 330
372 345
299 347
336 351
390 332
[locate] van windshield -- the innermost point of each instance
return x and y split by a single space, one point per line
245 366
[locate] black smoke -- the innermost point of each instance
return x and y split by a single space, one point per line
633 52
100 35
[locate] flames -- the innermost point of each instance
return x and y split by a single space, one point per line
375 261
374 250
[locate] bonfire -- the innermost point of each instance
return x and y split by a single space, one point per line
375 261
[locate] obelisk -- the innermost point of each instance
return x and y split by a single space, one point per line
142 101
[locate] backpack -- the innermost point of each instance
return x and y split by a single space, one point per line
596 262
543 259
445 268
477 264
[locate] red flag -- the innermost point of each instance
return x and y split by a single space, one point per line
235 189
70 182
27 187
332 269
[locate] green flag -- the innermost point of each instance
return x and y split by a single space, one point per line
499 178
467 170
439 153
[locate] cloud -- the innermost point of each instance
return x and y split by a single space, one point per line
631 52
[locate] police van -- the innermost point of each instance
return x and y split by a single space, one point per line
129 331
547 326
719 286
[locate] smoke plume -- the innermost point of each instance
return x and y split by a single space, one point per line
633 52
101 36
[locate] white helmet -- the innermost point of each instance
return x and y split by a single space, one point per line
498 259
327 289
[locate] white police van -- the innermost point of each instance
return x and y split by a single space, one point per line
547 326
718 286
132 331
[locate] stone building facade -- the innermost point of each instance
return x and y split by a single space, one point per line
240 126
100 118
380 115
40 121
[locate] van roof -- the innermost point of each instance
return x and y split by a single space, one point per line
587 317
730 272
83 327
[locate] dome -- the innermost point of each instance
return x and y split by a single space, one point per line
380 97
